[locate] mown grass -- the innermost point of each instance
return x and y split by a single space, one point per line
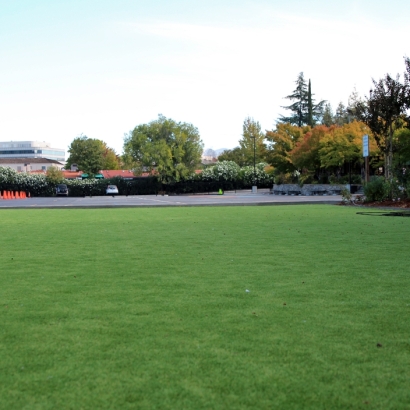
147 308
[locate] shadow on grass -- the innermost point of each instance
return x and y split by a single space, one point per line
403 213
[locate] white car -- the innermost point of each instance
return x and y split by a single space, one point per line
112 190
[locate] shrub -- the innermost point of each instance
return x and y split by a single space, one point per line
248 174
346 195
377 189
54 176
227 171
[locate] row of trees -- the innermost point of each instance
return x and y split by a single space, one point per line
172 150
311 141
315 142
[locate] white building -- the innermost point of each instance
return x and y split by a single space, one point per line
30 164
31 149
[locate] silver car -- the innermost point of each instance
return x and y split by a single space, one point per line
112 190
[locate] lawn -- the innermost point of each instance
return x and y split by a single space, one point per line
288 307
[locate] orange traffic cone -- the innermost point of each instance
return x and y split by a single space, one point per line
17 195
23 195
7 195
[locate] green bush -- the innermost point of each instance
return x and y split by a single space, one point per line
377 189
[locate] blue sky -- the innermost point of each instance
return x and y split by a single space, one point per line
102 67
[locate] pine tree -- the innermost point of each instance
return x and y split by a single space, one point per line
352 102
298 108
327 117
305 111
341 116
310 106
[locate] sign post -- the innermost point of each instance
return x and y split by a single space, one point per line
366 156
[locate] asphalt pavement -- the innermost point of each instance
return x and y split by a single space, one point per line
239 198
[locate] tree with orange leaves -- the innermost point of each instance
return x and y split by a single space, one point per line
281 142
305 155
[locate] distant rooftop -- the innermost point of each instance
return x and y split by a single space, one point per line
28 160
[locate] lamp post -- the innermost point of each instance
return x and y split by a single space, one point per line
254 187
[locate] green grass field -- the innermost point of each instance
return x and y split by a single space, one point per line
148 308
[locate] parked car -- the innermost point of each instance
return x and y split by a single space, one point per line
112 190
62 189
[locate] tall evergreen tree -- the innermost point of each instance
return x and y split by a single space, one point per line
310 105
327 117
352 102
341 116
304 110
298 108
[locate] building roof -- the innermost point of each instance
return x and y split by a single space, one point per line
38 171
72 174
112 173
23 160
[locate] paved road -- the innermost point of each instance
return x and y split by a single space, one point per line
229 198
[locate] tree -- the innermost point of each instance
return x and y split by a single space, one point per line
281 142
352 102
309 106
305 111
305 155
252 140
298 107
87 153
54 175
401 139
341 116
328 118
383 111
343 145
407 90
236 155
170 149
110 158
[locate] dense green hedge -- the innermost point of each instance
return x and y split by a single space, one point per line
212 180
